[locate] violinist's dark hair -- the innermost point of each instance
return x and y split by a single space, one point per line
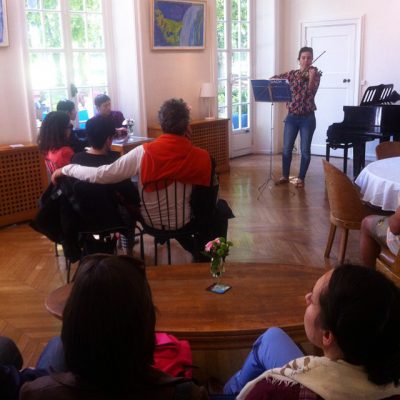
361 307
305 50
108 323
52 134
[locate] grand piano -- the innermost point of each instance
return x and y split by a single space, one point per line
375 118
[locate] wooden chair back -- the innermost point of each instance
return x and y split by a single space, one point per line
387 150
344 198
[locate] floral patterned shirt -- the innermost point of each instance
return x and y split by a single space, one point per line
302 96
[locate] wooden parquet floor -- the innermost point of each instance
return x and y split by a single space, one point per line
286 225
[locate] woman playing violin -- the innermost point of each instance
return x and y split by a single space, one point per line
304 84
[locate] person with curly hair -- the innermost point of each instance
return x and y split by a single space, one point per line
171 157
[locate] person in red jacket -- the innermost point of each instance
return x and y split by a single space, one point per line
172 157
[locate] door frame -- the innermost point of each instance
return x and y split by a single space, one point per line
359 24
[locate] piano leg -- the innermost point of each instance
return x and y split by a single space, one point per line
328 152
359 158
345 152
363 157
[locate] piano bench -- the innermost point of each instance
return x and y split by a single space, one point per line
330 144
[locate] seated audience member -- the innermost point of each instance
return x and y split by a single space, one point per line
108 340
11 375
100 132
378 231
103 106
68 107
77 143
54 139
353 315
170 156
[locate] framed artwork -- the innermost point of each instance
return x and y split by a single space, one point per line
178 25
3 24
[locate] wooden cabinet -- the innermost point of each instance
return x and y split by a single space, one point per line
23 179
211 135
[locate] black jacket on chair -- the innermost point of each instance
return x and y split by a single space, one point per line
74 207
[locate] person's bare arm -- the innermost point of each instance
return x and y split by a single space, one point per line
123 168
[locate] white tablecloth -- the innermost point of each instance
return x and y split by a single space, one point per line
379 183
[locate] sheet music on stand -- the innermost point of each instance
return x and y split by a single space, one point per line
270 91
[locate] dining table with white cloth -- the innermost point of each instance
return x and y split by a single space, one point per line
379 183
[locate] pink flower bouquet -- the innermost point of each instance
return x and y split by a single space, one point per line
217 250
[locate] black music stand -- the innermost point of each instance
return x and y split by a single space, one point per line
270 91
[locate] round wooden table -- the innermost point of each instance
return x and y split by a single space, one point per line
262 296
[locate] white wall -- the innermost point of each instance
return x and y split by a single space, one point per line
15 110
380 55
128 94
179 74
141 84
264 61
163 74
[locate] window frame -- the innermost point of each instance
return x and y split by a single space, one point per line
68 52
229 52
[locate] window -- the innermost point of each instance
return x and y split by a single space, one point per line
67 54
233 51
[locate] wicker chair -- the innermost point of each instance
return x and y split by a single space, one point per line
387 150
346 208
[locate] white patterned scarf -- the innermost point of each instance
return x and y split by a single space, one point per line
332 380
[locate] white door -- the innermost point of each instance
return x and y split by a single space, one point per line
340 73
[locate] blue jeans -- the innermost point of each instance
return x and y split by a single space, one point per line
293 124
273 348
52 357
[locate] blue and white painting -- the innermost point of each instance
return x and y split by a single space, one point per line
178 24
3 24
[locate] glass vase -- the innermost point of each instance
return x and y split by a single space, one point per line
217 268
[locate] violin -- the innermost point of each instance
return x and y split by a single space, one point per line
305 75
